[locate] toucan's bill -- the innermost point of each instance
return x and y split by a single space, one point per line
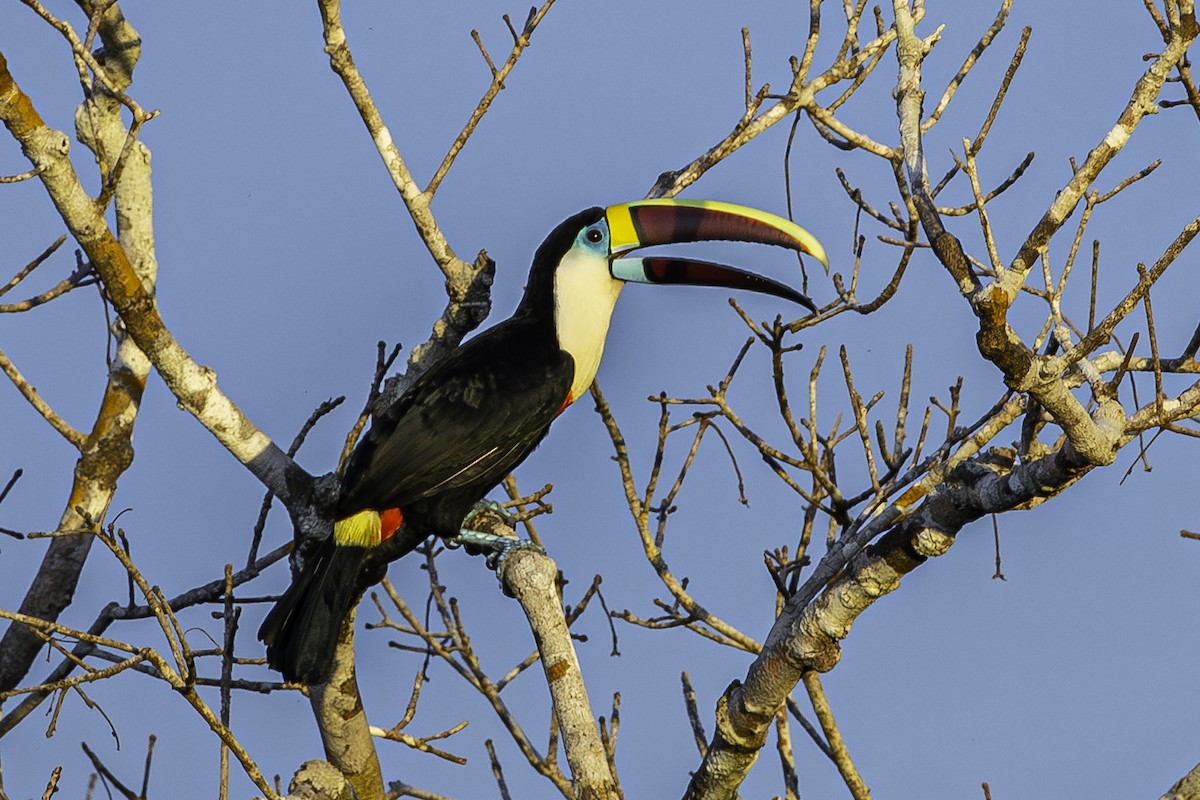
646 223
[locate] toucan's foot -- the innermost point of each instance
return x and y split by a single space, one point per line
498 548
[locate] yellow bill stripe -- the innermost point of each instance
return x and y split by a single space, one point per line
621 233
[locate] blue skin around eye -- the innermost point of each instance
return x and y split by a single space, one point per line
600 247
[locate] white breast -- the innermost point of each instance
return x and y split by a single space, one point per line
584 296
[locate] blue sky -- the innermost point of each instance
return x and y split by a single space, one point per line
285 254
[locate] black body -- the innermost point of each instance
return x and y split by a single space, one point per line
461 428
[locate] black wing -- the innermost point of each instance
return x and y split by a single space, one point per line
463 425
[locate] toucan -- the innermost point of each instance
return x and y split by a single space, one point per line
473 417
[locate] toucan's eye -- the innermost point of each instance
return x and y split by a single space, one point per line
594 235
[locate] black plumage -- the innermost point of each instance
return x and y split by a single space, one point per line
301 631
461 428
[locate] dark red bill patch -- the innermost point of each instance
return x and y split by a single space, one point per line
669 224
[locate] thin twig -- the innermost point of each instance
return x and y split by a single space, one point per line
34 264
841 756
24 176
520 42
30 393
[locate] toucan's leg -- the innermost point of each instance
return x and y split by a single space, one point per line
497 547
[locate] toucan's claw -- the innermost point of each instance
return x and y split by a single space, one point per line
491 505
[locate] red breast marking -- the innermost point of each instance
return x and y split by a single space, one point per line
390 521
569 399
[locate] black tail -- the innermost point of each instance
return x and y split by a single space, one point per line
301 632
